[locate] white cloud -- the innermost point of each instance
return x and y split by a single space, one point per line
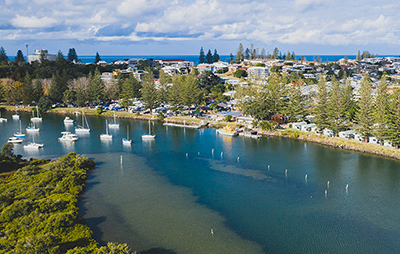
33 22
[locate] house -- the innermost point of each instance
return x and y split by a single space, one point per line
328 132
388 143
38 54
347 134
308 127
205 67
298 125
258 72
373 140
359 137
245 119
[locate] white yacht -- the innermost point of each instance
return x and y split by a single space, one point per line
15 140
68 120
33 145
114 124
19 134
85 125
148 136
2 119
36 118
127 141
15 116
32 128
106 135
68 136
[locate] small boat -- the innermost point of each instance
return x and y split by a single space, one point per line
106 135
68 136
33 145
19 134
227 131
148 136
82 129
127 141
68 120
36 118
32 128
15 140
114 124
2 119
15 116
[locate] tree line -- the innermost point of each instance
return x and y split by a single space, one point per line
333 104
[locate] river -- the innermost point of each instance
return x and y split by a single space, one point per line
168 195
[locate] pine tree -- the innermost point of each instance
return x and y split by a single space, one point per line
358 58
231 59
149 92
321 104
38 90
202 58
288 56
209 57
174 95
294 105
163 89
364 116
98 59
240 54
247 53
276 90
190 91
20 57
275 53
3 56
129 90
28 90
263 55
394 118
381 111
72 56
348 103
96 88
215 56
335 107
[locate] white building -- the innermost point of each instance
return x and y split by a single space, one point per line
38 53
258 72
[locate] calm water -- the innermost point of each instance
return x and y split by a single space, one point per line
161 201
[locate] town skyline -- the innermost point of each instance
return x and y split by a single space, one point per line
138 27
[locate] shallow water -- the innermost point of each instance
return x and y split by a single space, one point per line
162 201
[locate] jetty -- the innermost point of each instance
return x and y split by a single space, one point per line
184 125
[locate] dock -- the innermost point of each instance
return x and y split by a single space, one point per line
198 126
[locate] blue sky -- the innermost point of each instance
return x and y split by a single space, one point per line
181 27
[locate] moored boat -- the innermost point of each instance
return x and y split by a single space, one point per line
15 140
68 136
227 131
68 120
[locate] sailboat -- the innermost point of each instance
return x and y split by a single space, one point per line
32 128
82 128
33 145
19 134
148 136
37 118
106 135
127 141
2 119
15 116
114 124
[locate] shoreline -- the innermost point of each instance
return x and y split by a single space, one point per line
336 142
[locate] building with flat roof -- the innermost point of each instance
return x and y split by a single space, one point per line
38 53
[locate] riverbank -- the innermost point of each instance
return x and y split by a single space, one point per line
337 142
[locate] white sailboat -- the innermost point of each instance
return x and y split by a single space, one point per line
37 118
33 145
2 119
148 136
82 129
114 124
127 141
15 116
106 135
15 140
19 134
32 128
68 136
68 120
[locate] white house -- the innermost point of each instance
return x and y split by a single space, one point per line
388 143
347 134
328 132
298 125
359 137
258 72
373 140
308 127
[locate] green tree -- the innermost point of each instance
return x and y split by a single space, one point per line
28 90
263 54
202 57
81 97
364 116
358 58
114 88
215 56
58 85
174 93
294 105
240 73
190 91
20 57
275 93
247 53
231 59
239 54
96 88
321 104
163 89
208 80
37 90
98 59
394 118
209 57
381 111
149 92
348 102
3 56
335 107
44 104
275 53
69 96
129 90
72 56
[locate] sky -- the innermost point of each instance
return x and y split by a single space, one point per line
181 27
